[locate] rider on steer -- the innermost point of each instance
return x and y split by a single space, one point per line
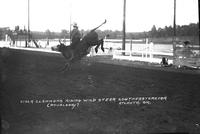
75 36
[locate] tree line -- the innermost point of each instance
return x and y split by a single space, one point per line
166 32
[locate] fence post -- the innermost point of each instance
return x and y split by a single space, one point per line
147 50
131 48
151 49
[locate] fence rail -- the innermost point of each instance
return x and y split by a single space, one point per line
147 56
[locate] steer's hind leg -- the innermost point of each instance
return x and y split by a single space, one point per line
97 47
101 42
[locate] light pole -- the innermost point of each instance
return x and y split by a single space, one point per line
174 33
28 20
124 26
174 18
199 24
70 22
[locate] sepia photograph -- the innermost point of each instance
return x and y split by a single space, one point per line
100 66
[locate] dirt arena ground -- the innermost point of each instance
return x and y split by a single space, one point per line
28 77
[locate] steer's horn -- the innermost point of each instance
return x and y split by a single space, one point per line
105 21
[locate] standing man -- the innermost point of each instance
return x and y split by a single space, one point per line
75 36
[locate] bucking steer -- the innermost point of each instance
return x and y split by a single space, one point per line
75 54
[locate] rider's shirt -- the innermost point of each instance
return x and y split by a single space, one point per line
75 34
75 37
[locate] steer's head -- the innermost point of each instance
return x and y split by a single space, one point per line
59 47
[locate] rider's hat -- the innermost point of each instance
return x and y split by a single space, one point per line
75 25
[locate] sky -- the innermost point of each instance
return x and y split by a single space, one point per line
56 15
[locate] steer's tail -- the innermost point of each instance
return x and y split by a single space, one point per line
98 26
